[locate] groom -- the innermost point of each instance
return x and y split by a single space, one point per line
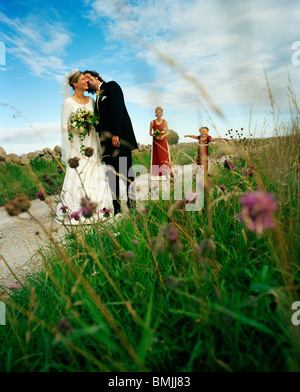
116 133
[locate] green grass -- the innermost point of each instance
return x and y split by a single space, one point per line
225 306
26 181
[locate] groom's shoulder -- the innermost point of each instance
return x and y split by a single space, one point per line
113 84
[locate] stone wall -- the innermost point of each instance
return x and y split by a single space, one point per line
45 155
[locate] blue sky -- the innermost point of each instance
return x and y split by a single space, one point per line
202 61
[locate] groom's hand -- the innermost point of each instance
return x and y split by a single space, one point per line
115 141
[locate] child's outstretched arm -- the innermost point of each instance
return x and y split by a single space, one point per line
218 138
192 136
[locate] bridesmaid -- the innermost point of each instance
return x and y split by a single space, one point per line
160 148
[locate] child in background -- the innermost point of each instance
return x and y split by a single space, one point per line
204 140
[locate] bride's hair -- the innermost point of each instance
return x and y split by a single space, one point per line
74 78
96 75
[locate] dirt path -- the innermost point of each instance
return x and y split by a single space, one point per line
20 238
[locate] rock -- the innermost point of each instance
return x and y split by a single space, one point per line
48 151
24 160
57 149
56 155
12 158
2 163
2 154
32 155
46 157
40 153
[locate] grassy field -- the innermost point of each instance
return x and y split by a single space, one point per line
176 290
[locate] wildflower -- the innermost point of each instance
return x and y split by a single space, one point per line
14 286
245 172
105 212
145 211
205 246
88 151
222 188
46 179
192 197
122 256
54 176
232 166
130 255
12 209
23 203
75 215
171 283
59 169
135 243
73 162
63 325
172 236
88 208
170 232
64 209
257 210
180 204
40 195
157 245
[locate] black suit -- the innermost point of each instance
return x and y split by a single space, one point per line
115 121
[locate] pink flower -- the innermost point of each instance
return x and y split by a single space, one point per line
88 208
106 212
64 209
75 215
40 195
14 286
257 210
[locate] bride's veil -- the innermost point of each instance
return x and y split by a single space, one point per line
65 91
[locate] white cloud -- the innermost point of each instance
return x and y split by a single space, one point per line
24 139
224 45
40 44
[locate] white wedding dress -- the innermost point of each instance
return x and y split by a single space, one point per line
92 180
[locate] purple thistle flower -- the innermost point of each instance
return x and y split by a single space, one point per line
88 208
246 172
222 188
145 211
106 212
40 195
232 166
257 210
64 209
75 215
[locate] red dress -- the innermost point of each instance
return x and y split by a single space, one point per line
202 158
160 159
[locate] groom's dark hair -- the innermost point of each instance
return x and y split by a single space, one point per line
96 75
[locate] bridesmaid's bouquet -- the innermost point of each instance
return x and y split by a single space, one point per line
156 133
82 121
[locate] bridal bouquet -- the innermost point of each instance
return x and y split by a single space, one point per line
83 121
156 133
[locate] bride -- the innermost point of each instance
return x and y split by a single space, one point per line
86 184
